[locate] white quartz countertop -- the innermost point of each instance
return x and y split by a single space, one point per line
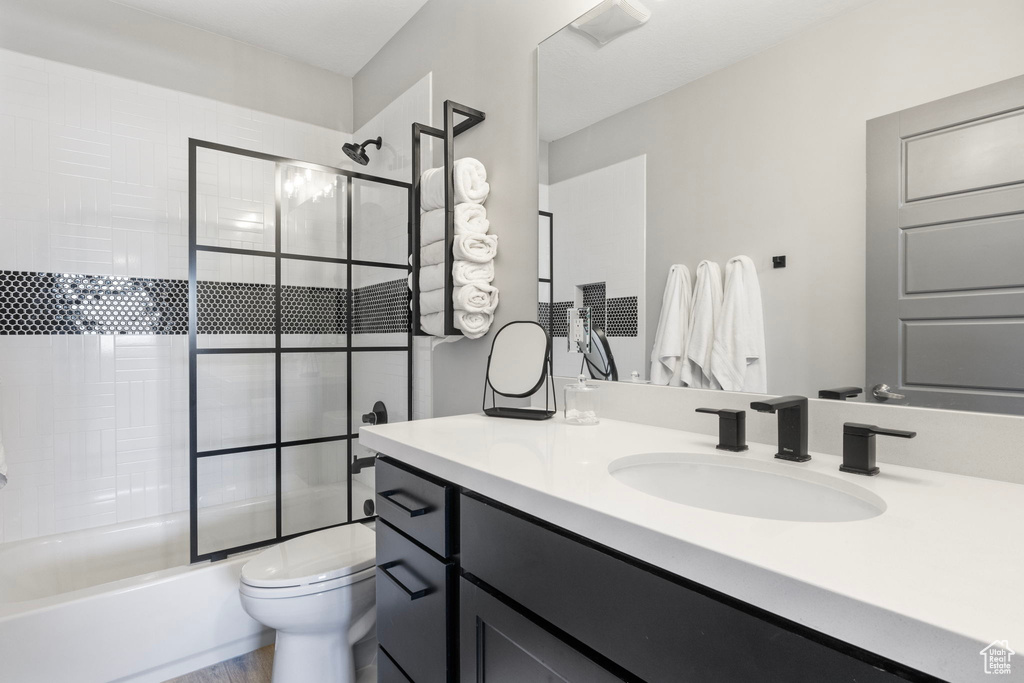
929 583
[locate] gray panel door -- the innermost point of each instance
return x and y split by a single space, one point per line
945 251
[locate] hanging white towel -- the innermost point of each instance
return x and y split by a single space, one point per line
704 312
465 272
738 358
470 179
470 219
432 254
475 248
476 297
669 350
431 302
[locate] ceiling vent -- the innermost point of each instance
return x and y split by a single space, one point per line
611 19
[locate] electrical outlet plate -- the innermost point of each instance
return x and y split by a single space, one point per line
579 329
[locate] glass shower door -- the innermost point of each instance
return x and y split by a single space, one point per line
298 325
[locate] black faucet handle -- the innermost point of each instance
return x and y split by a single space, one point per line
859 429
379 416
732 428
724 413
859 447
840 393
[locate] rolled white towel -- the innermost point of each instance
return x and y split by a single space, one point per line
432 254
473 325
476 297
465 272
432 277
432 301
433 324
470 184
475 248
470 219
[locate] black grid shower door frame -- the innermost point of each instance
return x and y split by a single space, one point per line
277 350
550 279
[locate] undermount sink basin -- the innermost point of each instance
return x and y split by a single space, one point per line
751 488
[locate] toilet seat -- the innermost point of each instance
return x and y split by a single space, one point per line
314 563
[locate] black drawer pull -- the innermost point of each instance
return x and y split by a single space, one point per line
391 497
413 595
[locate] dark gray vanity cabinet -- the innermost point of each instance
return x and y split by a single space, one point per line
518 600
416 576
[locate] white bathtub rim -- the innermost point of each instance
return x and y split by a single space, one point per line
13 609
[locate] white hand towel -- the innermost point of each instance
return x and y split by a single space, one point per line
470 219
432 301
669 350
738 358
465 272
473 325
477 297
432 254
707 303
475 248
470 184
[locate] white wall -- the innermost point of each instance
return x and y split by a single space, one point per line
481 54
123 41
599 236
767 157
94 179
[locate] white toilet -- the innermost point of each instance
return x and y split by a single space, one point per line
318 591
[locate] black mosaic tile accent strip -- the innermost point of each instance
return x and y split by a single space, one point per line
33 303
235 308
544 314
560 318
314 310
622 317
383 307
594 296
66 303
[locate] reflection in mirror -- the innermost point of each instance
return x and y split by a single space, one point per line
600 362
697 137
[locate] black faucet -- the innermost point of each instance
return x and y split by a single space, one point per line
859 447
792 412
732 428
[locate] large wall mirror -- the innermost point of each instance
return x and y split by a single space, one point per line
878 146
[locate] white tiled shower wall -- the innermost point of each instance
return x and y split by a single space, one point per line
93 179
599 236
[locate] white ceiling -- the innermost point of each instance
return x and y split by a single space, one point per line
338 35
581 84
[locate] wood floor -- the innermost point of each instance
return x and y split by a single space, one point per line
254 667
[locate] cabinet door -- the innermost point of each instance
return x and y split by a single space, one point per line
499 645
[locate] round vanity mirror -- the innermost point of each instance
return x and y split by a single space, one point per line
599 360
519 358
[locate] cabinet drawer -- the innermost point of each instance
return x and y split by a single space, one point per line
421 508
387 670
414 590
660 628
500 645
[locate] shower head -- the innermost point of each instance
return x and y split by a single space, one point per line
357 153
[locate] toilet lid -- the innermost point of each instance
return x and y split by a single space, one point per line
316 557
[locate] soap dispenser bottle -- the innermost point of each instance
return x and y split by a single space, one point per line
582 402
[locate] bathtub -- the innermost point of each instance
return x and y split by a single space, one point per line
119 604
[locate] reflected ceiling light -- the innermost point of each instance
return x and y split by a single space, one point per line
611 19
